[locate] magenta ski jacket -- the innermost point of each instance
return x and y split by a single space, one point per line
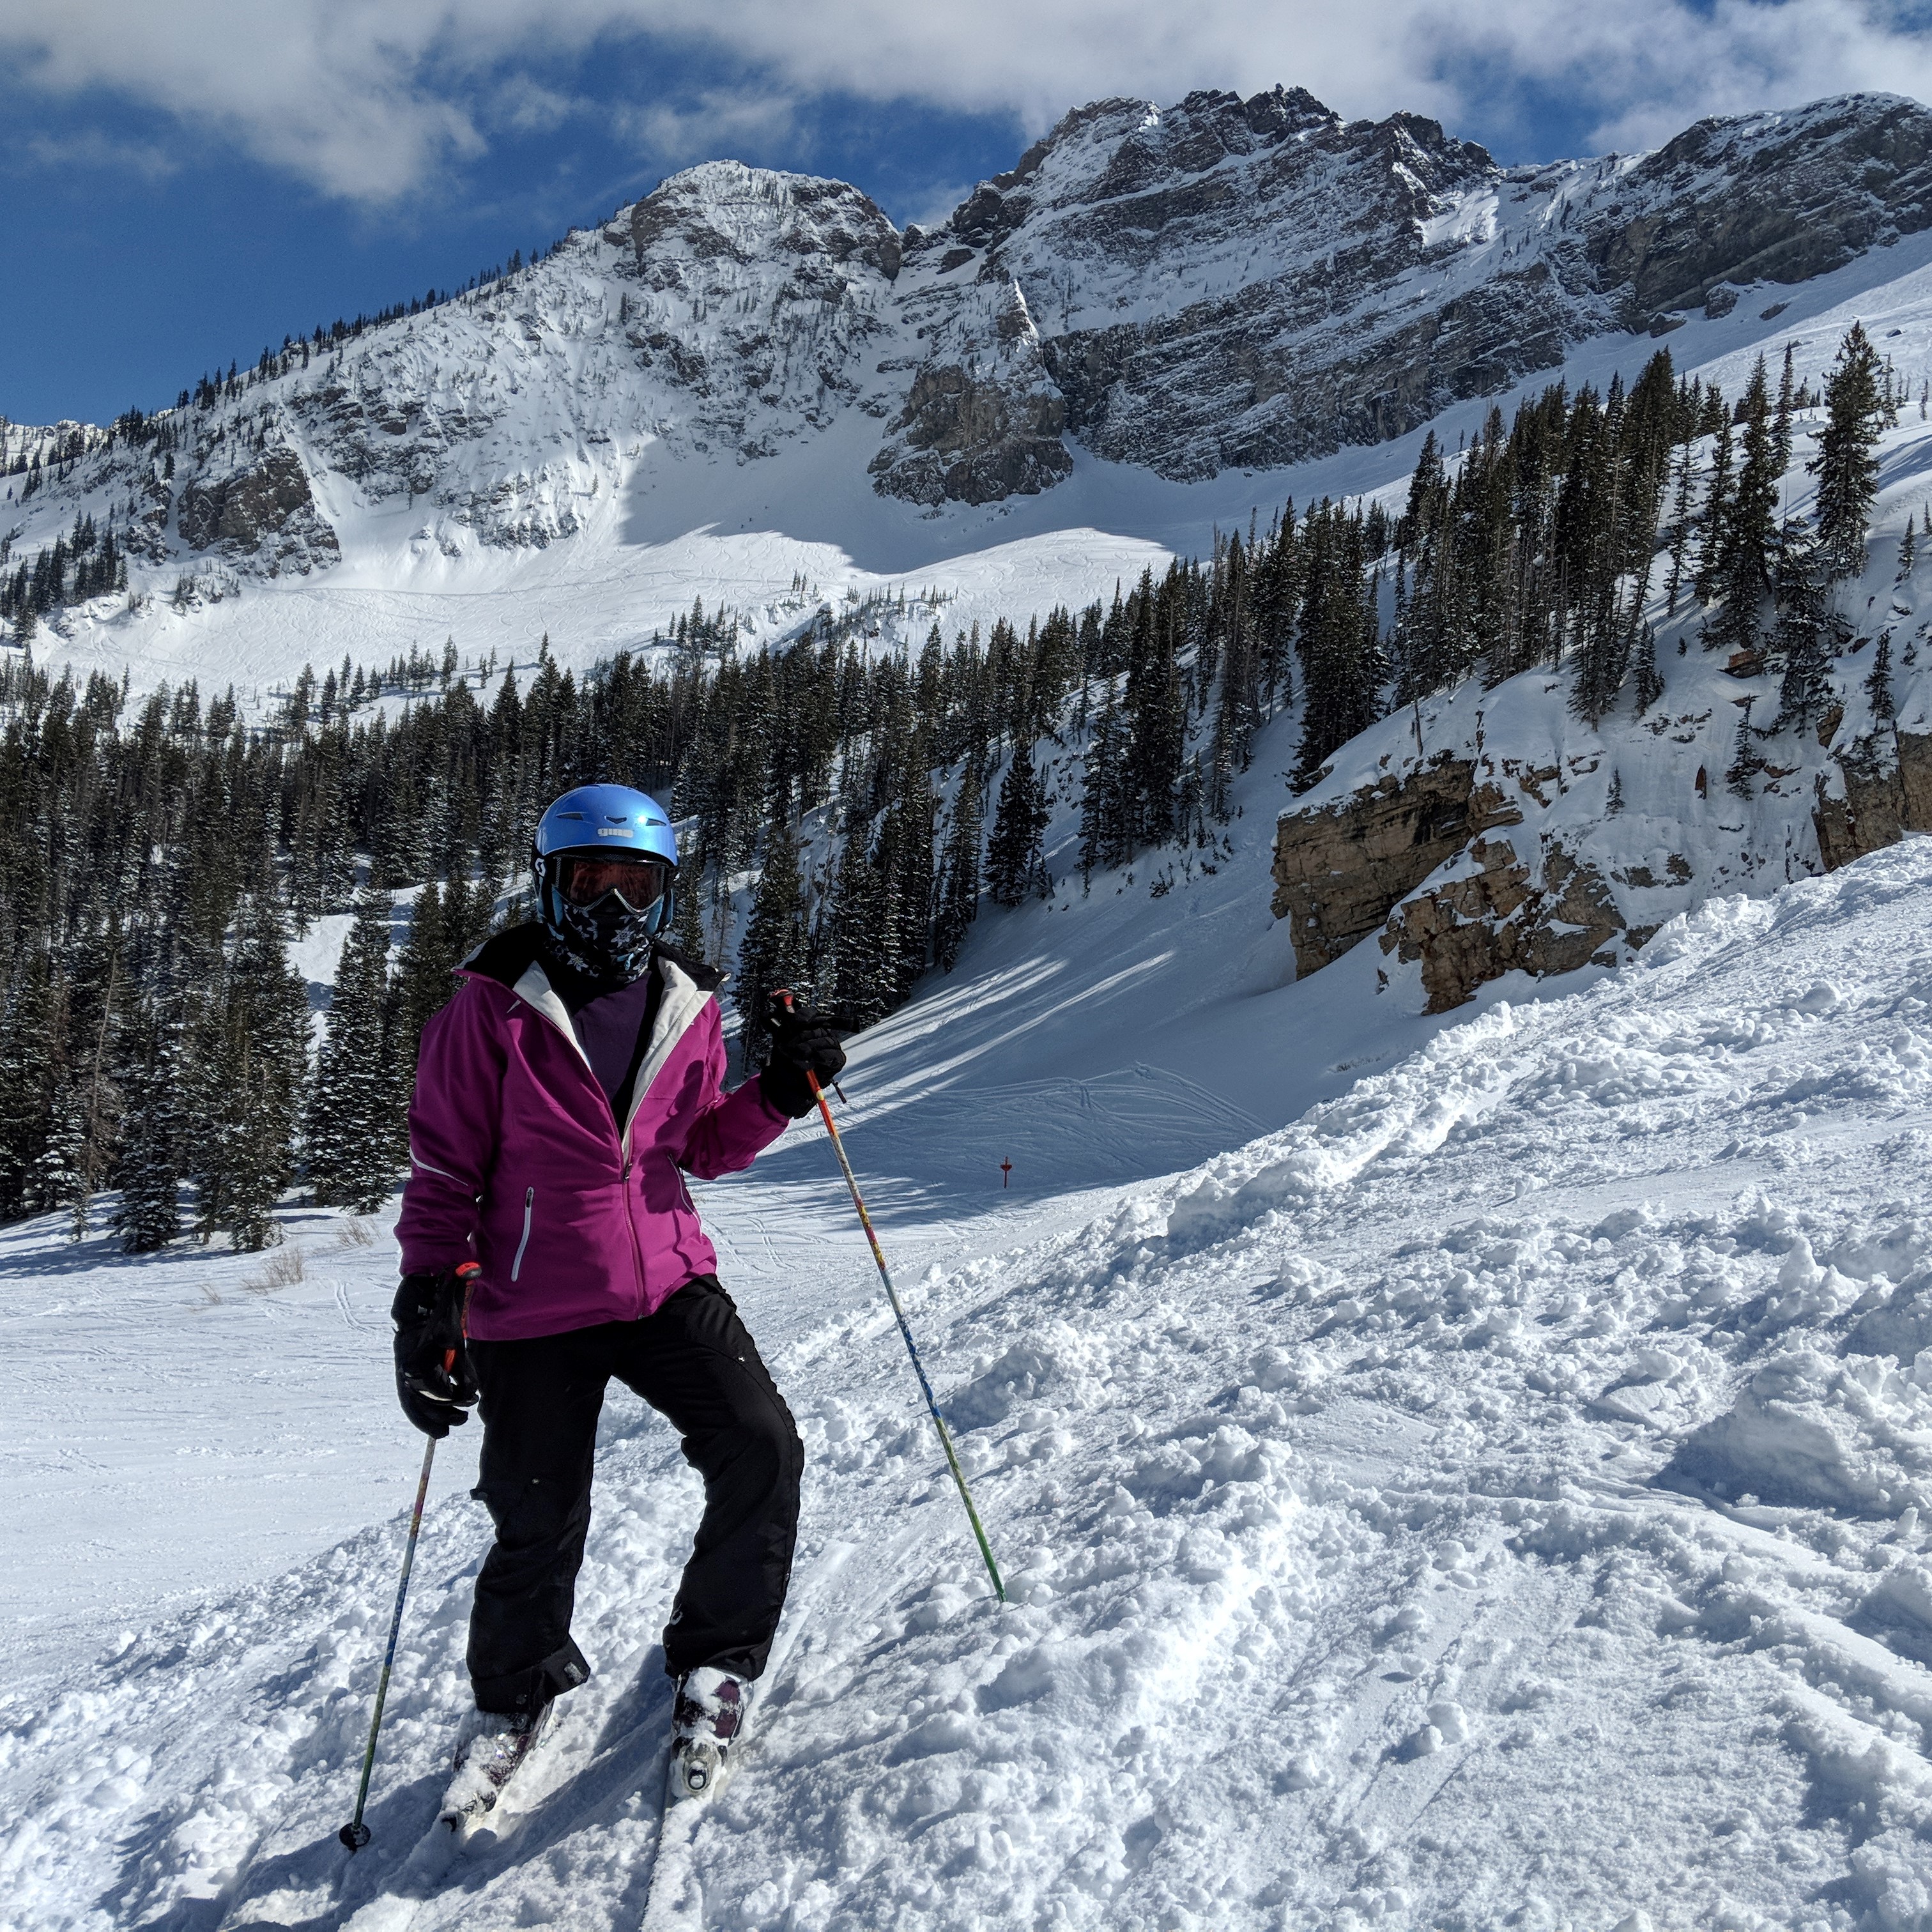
516 1161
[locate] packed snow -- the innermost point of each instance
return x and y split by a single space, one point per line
1494 1496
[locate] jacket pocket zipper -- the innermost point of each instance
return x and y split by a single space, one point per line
529 1200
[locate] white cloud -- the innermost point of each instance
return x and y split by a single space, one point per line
368 99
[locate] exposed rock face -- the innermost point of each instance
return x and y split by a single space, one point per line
1339 871
1223 283
1498 918
1230 283
1529 842
824 231
267 510
1345 870
983 425
1818 188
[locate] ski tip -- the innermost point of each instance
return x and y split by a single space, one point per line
355 1834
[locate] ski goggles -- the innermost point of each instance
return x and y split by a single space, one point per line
582 880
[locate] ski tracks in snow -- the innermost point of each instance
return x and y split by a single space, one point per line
1503 1496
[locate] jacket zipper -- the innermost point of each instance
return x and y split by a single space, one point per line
631 1222
530 1202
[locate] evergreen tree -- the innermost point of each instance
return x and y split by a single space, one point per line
1342 662
1747 761
1749 543
1015 863
1102 817
349 1131
858 938
773 952
1878 682
31 1073
1845 465
1803 647
1649 679
1716 519
251 1039
687 927
422 982
148 1216
1787 397
958 889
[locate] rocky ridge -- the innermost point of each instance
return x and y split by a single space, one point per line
1222 284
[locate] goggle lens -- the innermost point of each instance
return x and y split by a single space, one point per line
639 882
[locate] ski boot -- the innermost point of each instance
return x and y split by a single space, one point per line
491 1748
709 1714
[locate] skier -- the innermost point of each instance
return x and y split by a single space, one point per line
549 1243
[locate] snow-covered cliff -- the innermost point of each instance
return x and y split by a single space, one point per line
1221 285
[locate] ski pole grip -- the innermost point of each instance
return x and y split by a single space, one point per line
466 1273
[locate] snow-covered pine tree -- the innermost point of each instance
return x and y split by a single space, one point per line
1802 648
1878 682
1747 761
1680 526
147 1216
1102 832
910 828
687 924
958 889
1787 401
1649 679
1845 466
772 953
1715 519
1342 661
347 1132
32 1030
1749 544
1156 720
857 938
1015 864
252 1039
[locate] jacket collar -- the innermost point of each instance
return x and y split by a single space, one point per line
507 955
513 958
684 999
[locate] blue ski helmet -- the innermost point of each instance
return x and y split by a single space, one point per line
588 846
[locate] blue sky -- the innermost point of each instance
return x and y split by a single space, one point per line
180 186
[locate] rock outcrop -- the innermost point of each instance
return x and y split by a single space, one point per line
1886 792
1340 870
1502 916
1358 866
267 512
1531 842
982 420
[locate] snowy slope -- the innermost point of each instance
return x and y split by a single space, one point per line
1495 1497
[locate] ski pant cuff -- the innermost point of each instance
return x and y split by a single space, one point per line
525 1693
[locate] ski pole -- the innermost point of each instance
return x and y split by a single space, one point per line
355 1835
905 1331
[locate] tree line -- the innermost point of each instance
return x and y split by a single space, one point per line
846 809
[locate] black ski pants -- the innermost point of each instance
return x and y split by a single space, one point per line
695 1364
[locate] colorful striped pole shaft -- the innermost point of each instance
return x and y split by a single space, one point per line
912 1347
355 1835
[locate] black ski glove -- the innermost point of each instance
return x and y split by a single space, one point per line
802 1043
435 1381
